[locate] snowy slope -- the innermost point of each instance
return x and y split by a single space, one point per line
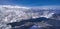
10 13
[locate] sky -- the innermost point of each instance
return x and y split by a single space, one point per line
30 2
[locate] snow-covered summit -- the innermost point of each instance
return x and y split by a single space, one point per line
11 6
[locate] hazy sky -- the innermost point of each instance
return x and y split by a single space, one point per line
30 2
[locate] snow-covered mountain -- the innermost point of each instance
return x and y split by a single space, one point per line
10 13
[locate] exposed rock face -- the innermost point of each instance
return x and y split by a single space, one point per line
38 23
